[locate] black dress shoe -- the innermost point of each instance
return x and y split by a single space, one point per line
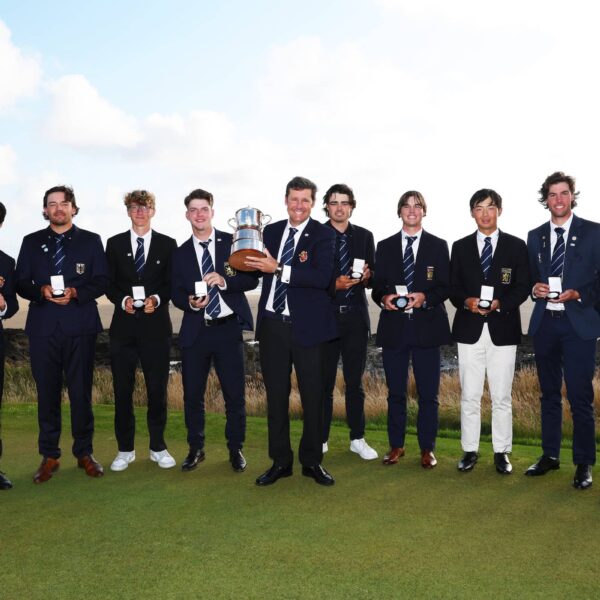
502 463
583 477
467 462
237 460
542 466
5 482
319 474
192 459
273 474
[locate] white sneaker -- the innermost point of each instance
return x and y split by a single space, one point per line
122 461
163 458
325 447
363 449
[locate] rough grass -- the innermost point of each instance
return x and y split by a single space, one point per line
380 532
19 387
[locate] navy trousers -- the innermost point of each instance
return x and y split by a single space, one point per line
223 346
277 355
559 351
153 355
426 369
352 346
50 357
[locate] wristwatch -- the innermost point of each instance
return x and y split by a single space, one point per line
278 271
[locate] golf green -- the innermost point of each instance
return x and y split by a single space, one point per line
380 532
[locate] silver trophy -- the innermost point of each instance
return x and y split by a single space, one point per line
247 224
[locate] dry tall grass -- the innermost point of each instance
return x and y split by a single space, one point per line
19 387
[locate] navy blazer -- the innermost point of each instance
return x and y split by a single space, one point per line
7 286
308 297
156 279
361 245
581 272
432 277
84 269
185 271
508 275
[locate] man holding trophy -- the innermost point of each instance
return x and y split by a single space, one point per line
61 270
295 320
139 263
564 256
210 292
489 275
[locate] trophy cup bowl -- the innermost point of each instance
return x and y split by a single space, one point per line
247 224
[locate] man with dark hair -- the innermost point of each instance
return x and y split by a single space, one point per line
489 276
212 328
139 265
8 307
61 270
294 322
564 256
350 307
411 284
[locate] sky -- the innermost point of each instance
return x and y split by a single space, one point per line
237 97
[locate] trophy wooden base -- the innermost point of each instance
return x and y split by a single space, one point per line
236 260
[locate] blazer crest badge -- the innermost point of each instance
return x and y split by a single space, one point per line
229 270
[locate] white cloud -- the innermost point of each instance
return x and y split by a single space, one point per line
19 74
8 162
82 118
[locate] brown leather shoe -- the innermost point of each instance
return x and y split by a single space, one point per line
47 468
92 467
393 456
428 459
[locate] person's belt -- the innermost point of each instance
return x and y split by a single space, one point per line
277 316
219 320
346 308
555 314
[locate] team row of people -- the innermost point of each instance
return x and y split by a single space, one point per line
312 311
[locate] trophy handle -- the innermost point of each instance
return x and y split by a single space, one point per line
266 220
234 227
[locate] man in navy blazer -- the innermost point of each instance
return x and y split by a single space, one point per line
139 260
62 325
564 255
489 275
352 315
211 331
295 319
8 307
412 281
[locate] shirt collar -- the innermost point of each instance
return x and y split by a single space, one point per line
481 236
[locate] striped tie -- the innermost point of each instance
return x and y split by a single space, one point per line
59 255
286 259
558 256
409 263
213 308
486 257
140 260
345 260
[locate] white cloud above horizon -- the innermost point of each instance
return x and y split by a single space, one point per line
445 99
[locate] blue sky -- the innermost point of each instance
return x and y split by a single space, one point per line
238 97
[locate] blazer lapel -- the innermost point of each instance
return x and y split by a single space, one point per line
575 233
304 240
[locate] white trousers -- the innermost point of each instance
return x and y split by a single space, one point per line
473 362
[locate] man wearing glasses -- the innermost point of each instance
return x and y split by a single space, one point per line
354 257
411 283
489 274
139 263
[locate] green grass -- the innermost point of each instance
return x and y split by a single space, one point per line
380 532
